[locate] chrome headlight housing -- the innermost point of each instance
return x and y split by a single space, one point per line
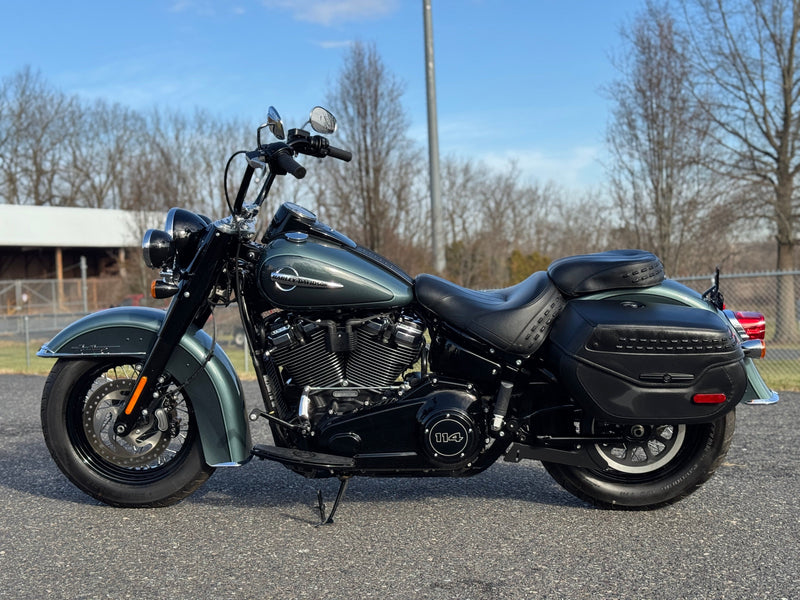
185 228
157 248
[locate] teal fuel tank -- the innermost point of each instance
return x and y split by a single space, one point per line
298 271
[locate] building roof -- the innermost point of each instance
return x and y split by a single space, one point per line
65 227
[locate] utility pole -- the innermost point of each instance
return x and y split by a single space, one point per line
439 262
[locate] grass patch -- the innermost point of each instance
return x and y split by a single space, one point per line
781 375
14 358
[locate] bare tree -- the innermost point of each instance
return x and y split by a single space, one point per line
101 143
577 224
745 53
215 139
32 152
499 229
660 142
372 197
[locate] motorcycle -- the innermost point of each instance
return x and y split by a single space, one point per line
623 383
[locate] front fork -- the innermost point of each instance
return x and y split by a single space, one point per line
189 306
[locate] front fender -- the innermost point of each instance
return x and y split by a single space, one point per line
214 388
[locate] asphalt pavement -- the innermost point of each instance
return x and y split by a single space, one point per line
508 533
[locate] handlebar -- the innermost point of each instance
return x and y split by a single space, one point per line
304 143
278 157
284 161
339 153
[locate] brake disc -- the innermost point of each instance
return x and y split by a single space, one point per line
141 447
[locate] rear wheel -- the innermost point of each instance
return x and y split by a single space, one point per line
654 467
159 463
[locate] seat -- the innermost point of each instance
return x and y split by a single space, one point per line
616 269
514 319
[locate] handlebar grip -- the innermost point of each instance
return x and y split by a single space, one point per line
344 155
285 161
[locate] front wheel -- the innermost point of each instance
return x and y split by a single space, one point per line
656 466
158 464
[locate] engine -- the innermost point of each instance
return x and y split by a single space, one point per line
368 353
342 377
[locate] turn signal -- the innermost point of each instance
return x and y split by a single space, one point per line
161 289
709 398
754 323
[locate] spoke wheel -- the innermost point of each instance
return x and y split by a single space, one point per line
646 449
142 448
655 466
159 463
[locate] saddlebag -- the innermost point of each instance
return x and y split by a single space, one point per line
626 361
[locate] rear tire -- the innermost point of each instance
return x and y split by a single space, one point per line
150 467
668 465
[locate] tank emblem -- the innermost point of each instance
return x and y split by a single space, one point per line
286 279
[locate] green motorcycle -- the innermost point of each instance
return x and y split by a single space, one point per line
623 383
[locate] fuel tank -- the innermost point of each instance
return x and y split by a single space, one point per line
301 271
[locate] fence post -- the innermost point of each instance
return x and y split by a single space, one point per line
84 287
26 326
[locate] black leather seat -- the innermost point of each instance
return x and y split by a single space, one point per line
514 319
616 269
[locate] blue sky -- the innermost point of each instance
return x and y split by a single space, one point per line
515 78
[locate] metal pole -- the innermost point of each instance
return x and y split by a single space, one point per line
84 287
27 326
439 261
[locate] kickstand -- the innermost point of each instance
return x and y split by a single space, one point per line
343 481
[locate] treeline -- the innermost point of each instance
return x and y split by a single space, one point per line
62 150
702 138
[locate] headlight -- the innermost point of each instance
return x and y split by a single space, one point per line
157 248
185 228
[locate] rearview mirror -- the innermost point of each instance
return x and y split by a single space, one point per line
322 120
273 124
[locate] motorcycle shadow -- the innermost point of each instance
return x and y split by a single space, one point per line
265 484
27 468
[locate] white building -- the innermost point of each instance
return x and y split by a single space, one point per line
46 242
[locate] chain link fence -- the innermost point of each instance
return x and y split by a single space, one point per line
34 310
759 292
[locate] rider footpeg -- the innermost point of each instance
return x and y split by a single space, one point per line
303 458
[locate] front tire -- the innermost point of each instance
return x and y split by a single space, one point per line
666 465
159 464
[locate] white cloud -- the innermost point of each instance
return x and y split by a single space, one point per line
333 45
473 136
575 167
332 12
180 5
203 8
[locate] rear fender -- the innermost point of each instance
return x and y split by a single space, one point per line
214 387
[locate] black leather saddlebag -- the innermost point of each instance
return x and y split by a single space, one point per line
630 362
